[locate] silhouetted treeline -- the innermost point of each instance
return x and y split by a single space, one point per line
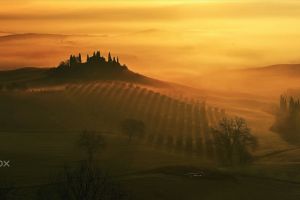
95 60
287 119
96 67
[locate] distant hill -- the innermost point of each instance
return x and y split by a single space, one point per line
279 70
266 81
74 70
25 36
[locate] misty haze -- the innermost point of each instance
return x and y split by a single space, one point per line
149 100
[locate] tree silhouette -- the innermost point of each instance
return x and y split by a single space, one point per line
287 120
109 58
87 58
71 60
233 140
79 58
133 128
88 182
283 104
91 143
98 54
76 67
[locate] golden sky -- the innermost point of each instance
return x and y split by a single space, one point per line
172 40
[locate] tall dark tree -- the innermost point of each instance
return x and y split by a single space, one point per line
292 105
283 104
98 54
71 60
79 58
287 120
109 58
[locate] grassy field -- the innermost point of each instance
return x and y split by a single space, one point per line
144 172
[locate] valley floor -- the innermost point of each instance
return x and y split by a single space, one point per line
146 172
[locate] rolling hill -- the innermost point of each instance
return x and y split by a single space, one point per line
98 95
276 70
267 82
95 69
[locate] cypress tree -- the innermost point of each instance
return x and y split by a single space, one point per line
283 104
109 57
98 54
79 58
71 61
292 104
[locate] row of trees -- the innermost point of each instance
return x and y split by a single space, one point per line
287 120
95 59
289 105
232 139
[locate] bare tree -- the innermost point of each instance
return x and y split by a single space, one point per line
91 143
87 182
233 141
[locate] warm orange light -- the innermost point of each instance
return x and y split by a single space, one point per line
173 40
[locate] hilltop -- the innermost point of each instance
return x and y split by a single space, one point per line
74 70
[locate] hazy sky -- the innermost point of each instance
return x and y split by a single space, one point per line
174 40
